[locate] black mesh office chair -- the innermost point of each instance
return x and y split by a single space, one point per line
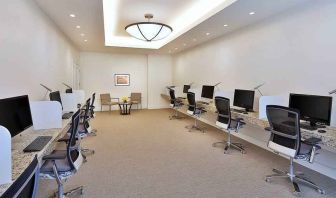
92 107
62 164
286 140
225 122
26 185
194 111
175 103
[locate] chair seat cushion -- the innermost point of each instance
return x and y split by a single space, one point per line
61 164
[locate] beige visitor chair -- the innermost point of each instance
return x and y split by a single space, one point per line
105 99
136 99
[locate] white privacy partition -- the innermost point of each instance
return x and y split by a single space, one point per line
80 95
46 114
69 102
5 156
269 100
226 94
198 92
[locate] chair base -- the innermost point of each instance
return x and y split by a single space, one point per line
176 117
71 193
228 145
295 179
85 153
195 128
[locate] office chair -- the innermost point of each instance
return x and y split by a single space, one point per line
92 107
62 164
26 185
176 104
194 111
286 139
225 122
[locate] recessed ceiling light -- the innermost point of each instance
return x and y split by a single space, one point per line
252 13
207 33
184 44
82 34
77 26
85 40
225 25
72 15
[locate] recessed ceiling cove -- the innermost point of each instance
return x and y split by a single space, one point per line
180 15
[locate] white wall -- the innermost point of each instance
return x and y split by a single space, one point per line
32 51
159 76
292 52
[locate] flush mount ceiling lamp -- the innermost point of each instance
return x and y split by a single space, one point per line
149 31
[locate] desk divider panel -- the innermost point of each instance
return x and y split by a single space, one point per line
46 114
5 156
80 95
69 101
269 100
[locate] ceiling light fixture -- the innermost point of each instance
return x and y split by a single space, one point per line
148 31
72 15
77 26
207 33
252 13
184 44
225 25
85 40
82 34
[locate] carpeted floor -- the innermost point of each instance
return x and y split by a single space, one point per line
146 155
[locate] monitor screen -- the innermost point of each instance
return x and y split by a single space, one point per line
244 99
68 90
207 91
312 108
55 96
186 88
15 114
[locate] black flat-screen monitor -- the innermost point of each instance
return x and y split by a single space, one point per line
186 88
15 114
56 96
68 90
244 99
207 91
312 108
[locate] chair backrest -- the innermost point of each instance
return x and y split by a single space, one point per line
191 102
172 96
136 97
26 185
224 114
105 98
285 129
73 152
86 111
93 99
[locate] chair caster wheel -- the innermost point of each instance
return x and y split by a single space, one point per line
267 179
322 192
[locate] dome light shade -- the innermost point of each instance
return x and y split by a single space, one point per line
148 31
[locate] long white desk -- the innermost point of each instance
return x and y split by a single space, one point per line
254 133
20 159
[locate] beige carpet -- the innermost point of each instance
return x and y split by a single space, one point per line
146 155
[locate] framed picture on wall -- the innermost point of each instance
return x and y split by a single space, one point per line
121 79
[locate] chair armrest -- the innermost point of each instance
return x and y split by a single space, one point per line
54 156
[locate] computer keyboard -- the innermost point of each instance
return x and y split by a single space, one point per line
38 144
67 115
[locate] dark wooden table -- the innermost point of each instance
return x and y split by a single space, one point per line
125 108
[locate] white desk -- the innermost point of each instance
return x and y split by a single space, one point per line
21 160
254 133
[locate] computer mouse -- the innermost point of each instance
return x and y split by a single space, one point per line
321 131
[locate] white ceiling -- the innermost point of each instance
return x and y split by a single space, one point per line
89 15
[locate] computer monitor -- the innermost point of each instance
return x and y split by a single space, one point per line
244 99
312 108
207 91
15 114
68 90
55 96
186 88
